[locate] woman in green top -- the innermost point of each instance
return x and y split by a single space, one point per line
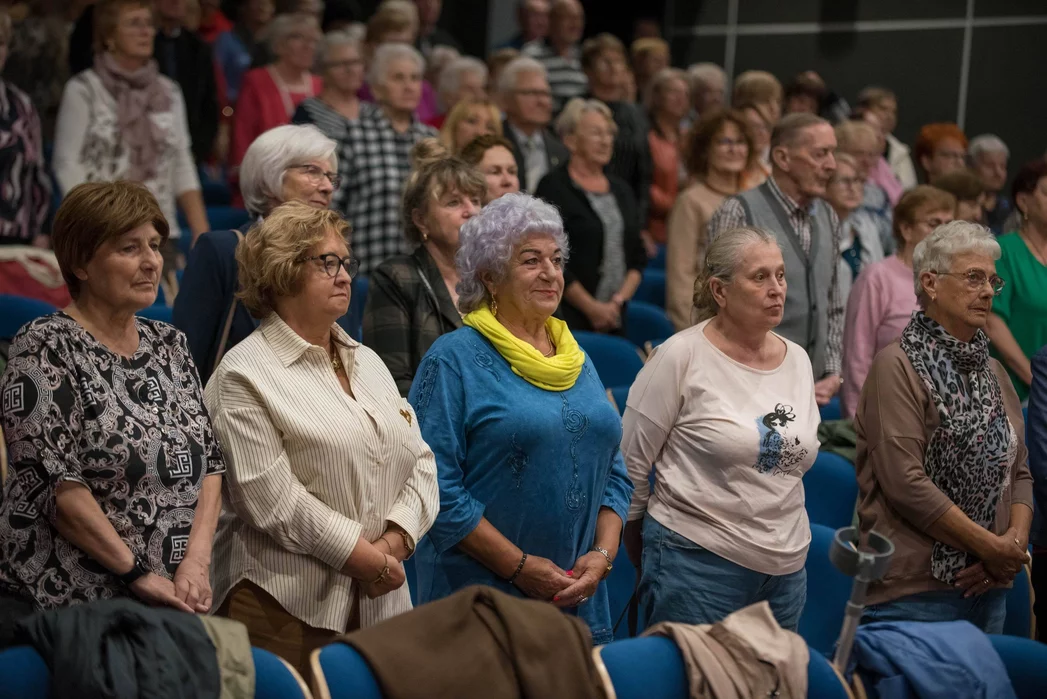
1018 325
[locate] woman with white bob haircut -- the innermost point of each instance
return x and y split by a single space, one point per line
531 501
375 155
942 464
288 163
725 410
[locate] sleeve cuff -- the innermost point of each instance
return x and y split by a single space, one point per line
338 541
448 536
406 519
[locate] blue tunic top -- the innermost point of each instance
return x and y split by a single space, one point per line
537 464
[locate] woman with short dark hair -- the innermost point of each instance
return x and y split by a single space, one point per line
115 484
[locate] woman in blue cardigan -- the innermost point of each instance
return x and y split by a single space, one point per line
533 489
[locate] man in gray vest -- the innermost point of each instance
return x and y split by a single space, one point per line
788 204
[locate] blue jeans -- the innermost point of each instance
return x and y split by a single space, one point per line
987 611
683 582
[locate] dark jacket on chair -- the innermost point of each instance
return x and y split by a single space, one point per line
121 648
585 234
490 644
555 151
403 316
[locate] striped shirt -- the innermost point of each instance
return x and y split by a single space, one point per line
311 470
731 214
566 77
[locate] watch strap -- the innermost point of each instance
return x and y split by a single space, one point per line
137 571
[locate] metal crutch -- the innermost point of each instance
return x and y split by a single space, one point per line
866 564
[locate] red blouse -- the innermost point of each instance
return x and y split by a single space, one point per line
262 105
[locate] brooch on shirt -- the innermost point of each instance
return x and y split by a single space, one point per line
405 415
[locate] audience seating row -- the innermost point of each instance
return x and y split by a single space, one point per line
26 676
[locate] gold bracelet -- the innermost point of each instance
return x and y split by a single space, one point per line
382 576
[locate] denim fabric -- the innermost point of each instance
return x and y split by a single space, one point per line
684 582
987 611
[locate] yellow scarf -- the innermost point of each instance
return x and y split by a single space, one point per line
556 373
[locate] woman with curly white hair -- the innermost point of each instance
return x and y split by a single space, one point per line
532 501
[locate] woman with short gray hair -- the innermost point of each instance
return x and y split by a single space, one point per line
532 501
601 219
270 94
288 163
725 411
376 155
942 464
464 78
342 69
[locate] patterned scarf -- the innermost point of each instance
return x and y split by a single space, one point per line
556 373
138 94
969 455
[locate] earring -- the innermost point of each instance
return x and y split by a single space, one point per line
494 307
425 237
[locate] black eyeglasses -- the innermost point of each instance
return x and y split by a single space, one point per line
316 175
332 262
976 279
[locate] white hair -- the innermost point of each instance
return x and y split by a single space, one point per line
271 154
705 74
284 25
386 54
935 253
337 39
451 75
487 240
987 143
523 64
577 108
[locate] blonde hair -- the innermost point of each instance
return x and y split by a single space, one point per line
435 171
756 87
849 134
578 107
269 258
458 113
724 254
391 16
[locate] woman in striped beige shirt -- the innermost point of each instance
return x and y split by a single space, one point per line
330 483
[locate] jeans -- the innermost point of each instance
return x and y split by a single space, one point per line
986 611
683 582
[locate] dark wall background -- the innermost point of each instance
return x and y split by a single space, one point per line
1006 81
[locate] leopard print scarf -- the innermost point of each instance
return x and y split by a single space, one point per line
968 457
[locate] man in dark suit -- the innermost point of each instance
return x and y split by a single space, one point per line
186 58
523 90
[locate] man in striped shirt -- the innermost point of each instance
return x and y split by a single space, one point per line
560 52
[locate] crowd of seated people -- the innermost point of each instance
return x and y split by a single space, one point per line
387 355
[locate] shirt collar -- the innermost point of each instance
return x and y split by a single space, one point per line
534 139
790 204
289 346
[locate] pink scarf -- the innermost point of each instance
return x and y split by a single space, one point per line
138 95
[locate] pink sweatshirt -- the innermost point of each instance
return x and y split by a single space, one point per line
881 303
882 175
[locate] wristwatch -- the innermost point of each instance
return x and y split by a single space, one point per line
137 571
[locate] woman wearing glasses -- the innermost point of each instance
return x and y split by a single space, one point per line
341 60
413 299
330 482
860 242
942 464
288 163
882 299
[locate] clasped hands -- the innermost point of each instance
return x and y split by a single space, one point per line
997 568
542 579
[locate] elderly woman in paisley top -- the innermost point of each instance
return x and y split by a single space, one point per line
531 501
115 484
942 464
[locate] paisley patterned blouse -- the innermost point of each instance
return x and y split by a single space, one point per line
135 431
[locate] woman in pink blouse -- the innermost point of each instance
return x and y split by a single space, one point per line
883 297
270 95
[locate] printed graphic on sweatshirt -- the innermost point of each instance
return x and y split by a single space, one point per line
780 451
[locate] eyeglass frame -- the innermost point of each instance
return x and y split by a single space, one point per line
972 284
315 174
350 264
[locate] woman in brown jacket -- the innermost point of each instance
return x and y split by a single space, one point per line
942 465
